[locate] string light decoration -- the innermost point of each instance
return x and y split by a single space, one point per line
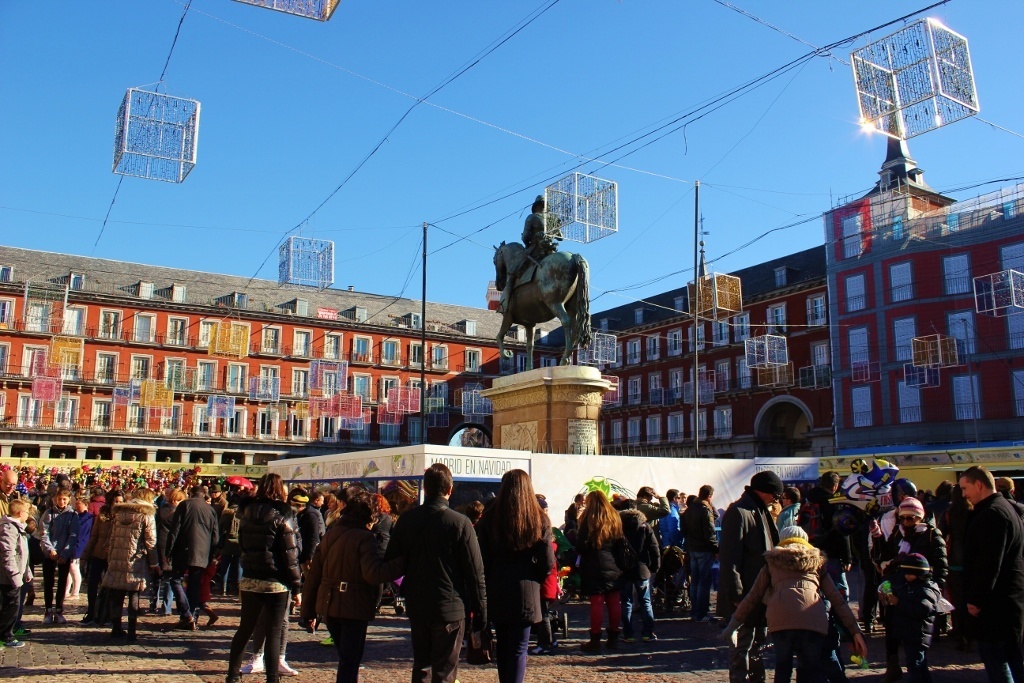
355 423
815 377
181 379
220 406
915 80
44 307
720 296
156 136
921 377
122 395
601 350
47 389
229 340
468 398
321 10
766 351
327 378
301 411
776 376
403 400
389 417
999 294
264 388
153 394
66 352
866 371
935 351
306 261
611 397
582 208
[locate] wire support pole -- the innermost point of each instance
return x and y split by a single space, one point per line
423 344
694 306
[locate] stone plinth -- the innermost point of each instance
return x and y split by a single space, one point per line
548 410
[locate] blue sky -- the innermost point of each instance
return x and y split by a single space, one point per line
290 107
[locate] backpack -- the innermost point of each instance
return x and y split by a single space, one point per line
811 519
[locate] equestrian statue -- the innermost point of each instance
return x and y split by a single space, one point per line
537 283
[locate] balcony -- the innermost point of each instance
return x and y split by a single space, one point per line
910 414
633 399
391 361
365 358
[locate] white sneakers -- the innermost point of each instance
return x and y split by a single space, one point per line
285 670
256 666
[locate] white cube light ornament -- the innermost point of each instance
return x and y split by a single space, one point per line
156 136
321 10
582 208
915 80
306 261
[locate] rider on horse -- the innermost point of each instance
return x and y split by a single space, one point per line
539 242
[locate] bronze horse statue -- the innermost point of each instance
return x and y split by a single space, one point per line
557 287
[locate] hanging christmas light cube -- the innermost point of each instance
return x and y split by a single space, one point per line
66 352
706 384
306 261
122 395
935 350
866 371
434 405
321 10
582 208
766 351
301 411
601 350
348 405
264 388
720 296
355 423
921 377
135 389
815 377
322 406
181 379
47 389
327 378
387 417
915 80
153 394
44 305
229 340
403 400
156 136
999 294
776 376
222 407
611 397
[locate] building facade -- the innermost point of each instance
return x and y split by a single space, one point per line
901 263
741 412
118 361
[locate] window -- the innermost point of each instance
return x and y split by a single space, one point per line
362 350
966 397
653 428
520 362
177 331
861 406
32 358
702 423
178 293
301 307
742 373
653 344
654 391
76 281
267 424
548 361
633 430
386 384
302 343
271 342
897 227
720 333
858 337
1012 257
961 326
741 327
389 434
817 314
638 316
617 431
675 342
439 357
679 303
140 367
136 418
819 354
1018 392
101 415
469 328
675 427
29 412
170 423
6 312
472 360
904 331
776 318
6 273
5 356
332 346
237 383
851 236
145 328
675 384
74 321
205 331
235 425
297 426
780 277
200 420
633 351
855 300
37 317
106 368
110 324
206 373
722 375
390 352
1015 330
633 391
700 337
910 403
361 386
901 282
65 412
145 290
956 274
723 422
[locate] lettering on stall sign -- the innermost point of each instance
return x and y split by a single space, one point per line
480 467
788 472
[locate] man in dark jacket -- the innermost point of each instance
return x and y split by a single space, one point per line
311 525
698 527
748 532
444 578
191 540
815 517
644 543
994 576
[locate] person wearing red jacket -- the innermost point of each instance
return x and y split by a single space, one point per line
546 643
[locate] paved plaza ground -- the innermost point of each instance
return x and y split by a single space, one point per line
684 652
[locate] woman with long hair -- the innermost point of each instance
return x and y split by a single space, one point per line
601 546
131 558
95 557
267 536
515 544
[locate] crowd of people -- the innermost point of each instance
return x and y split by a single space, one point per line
484 579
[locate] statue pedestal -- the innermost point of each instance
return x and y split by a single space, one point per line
548 410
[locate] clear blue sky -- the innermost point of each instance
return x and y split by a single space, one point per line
291 106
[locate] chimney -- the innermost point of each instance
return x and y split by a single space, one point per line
351 288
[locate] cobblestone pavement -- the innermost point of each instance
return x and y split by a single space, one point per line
685 652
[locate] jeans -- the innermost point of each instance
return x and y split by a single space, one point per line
271 609
229 570
1003 661
545 639
643 594
349 640
700 583
92 588
435 650
10 602
184 607
50 570
597 605
746 660
511 652
835 570
917 660
259 638
808 647
195 584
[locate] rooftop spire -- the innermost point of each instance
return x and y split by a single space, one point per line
898 169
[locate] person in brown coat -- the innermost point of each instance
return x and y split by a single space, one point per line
342 583
789 586
95 556
131 558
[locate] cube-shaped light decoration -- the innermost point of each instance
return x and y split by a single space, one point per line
306 261
388 417
766 351
435 405
229 340
44 307
921 377
220 406
66 352
776 376
262 388
122 395
355 423
611 397
582 208
301 411
815 377
403 400
322 406
720 295
321 10
601 350
47 389
866 371
349 405
999 294
327 377
935 351
915 80
154 394
156 136
181 379
706 385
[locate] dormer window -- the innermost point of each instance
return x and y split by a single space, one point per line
234 300
780 277
301 307
638 316
360 314
76 281
469 327
6 273
604 324
412 320
178 293
145 290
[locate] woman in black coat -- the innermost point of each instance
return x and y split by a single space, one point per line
515 544
268 538
601 547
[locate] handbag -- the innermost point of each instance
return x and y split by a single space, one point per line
485 653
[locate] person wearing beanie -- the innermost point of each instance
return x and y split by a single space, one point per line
912 600
748 532
791 587
913 535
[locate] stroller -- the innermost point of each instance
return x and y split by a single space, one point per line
392 595
671 583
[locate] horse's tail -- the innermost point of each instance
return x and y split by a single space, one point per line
581 302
